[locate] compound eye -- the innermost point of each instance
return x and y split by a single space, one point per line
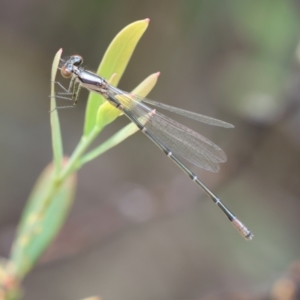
66 71
77 60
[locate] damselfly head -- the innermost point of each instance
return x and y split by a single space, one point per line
67 65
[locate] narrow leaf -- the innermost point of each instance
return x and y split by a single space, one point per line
57 147
115 60
107 113
114 140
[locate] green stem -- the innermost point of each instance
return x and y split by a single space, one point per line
53 187
80 149
114 140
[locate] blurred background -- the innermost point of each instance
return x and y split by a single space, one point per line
139 228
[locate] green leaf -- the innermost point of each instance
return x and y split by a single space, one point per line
114 140
42 218
115 60
107 113
54 120
146 86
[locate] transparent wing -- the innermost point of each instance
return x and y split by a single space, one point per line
189 114
179 139
176 110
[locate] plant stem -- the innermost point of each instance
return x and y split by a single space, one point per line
80 149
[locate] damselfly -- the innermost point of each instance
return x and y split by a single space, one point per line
174 139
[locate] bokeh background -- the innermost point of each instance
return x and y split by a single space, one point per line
139 228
